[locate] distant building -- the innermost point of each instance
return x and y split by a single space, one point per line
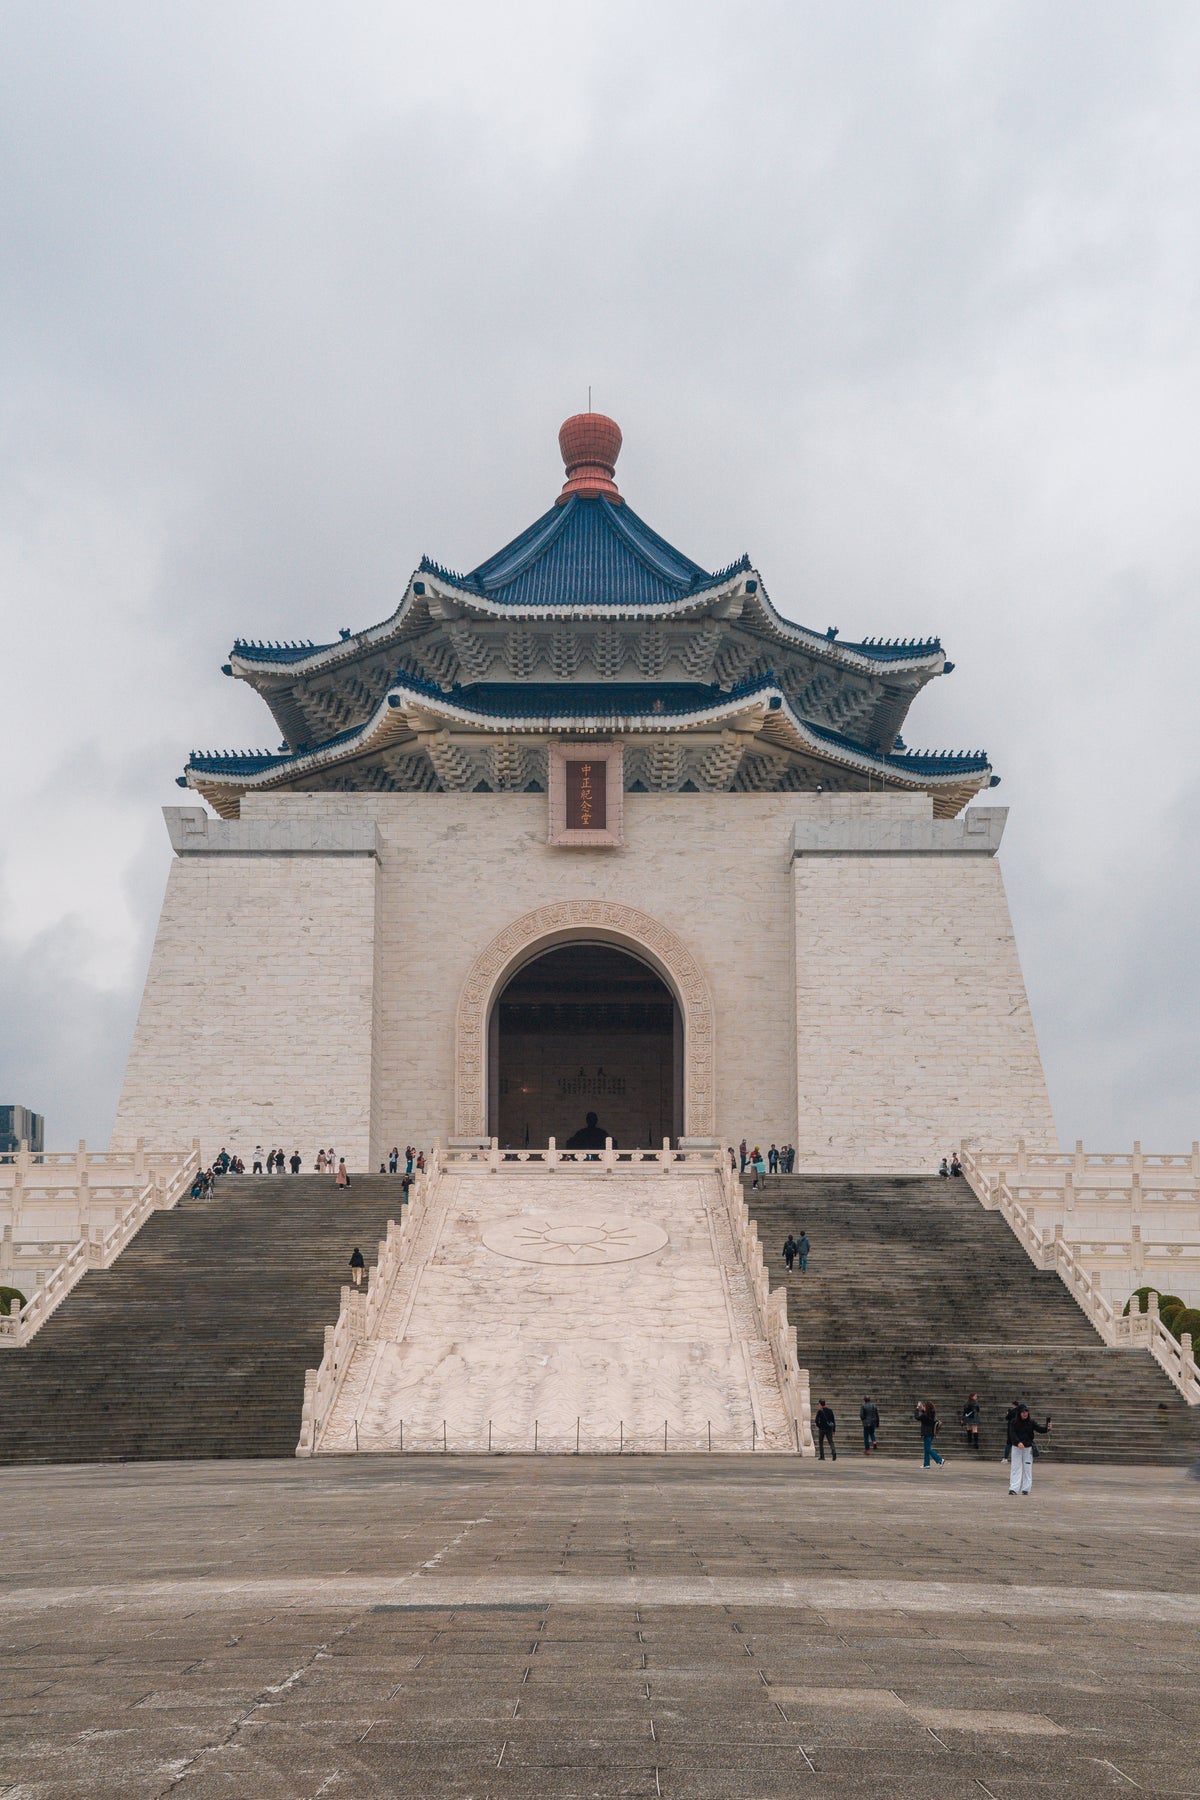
20 1126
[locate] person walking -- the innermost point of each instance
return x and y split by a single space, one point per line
930 1424
971 1413
826 1425
789 1251
322 1165
760 1169
357 1265
1021 1434
742 1153
342 1178
868 1412
802 1249
258 1156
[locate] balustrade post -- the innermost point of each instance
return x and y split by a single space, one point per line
609 1163
1080 1159
1069 1192
494 1155
1137 1255
1135 1200
552 1154
1022 1159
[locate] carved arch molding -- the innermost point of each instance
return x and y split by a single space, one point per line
559 922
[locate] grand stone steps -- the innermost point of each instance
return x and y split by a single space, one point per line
914 1291
195 1342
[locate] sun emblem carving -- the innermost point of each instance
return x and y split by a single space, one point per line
573 1240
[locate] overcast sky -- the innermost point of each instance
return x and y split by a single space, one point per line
901 298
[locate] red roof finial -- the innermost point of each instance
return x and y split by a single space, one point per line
590 445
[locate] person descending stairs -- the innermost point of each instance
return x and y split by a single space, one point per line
195 1342
913 1291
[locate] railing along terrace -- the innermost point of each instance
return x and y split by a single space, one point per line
76 1211
552 1156
1001 1183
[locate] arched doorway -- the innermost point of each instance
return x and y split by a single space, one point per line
585 1030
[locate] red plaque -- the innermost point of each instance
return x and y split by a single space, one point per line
587 796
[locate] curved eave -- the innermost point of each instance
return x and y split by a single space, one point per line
756 609
760 709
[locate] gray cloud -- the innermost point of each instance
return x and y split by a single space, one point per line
902 300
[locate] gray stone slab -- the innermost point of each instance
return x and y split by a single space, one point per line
213 1632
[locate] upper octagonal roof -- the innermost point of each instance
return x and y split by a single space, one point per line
586 553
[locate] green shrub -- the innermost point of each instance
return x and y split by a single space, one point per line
11 1299
1142 1296
1188 1320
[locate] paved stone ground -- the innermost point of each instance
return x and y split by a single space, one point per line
691 1627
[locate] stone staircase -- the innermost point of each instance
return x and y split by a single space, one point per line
195 1342
554 1308
915 1291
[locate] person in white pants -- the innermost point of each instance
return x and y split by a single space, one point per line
1020 1437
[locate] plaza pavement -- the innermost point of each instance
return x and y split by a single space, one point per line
684 1627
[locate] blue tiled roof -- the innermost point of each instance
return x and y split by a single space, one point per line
601 705
276 653
586 553
893 649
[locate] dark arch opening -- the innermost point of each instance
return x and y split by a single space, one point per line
584 1029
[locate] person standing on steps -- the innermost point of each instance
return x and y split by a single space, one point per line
357 1265
971 1413
1021 1434
342 1178
773 1159
826 1425
955 1165
258 1156
742 1152
789 1251
868 1412
393 1159
930 1424
295 1162
802 1249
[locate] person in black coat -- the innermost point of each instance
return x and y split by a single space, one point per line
789 1251
1022 1430
826 1425
357 1265
868 1413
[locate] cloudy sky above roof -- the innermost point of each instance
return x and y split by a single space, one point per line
902 300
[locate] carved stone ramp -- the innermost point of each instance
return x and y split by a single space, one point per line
552 1309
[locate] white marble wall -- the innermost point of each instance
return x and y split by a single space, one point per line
300 994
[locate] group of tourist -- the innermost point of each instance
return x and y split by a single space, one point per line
276 1161
1021 1431
776 1162
949 1167
412 1159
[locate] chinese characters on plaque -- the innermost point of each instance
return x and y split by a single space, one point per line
587 795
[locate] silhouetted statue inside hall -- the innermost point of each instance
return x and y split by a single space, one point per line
589 1136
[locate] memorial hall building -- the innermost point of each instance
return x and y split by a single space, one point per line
588 829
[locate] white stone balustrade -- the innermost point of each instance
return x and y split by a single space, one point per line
1055 1201
63 1213
360 1309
